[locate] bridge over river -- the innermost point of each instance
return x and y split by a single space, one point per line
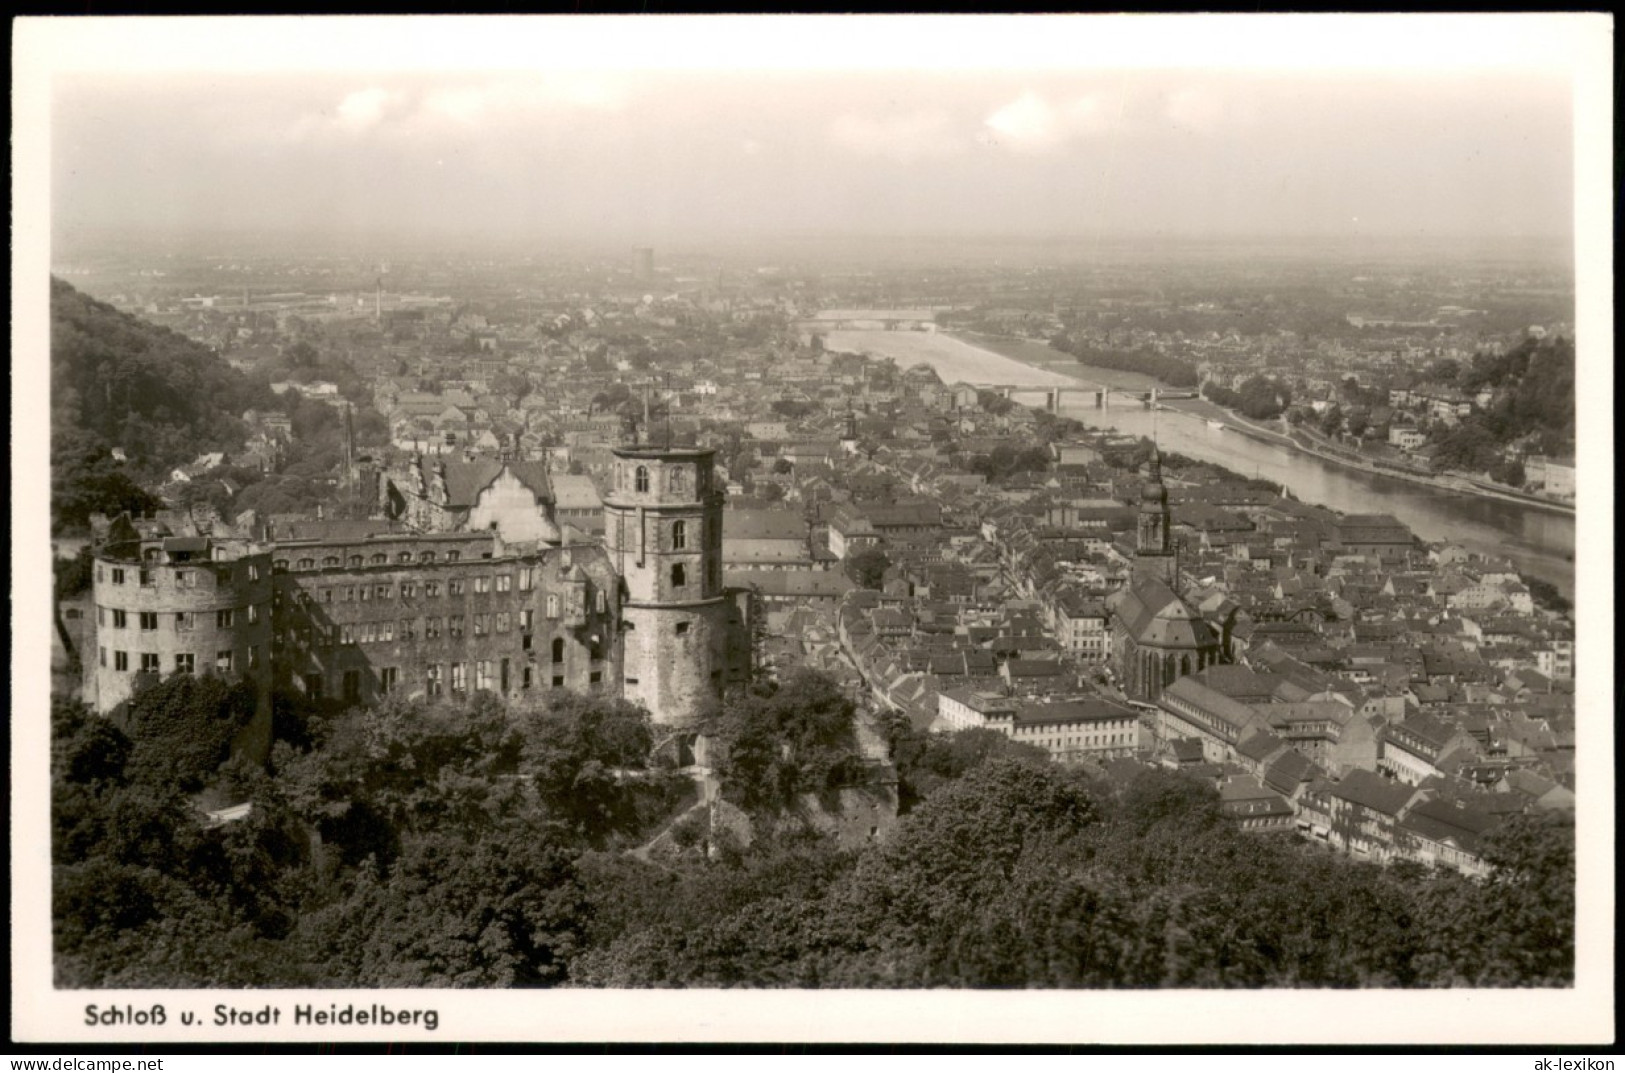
1098 396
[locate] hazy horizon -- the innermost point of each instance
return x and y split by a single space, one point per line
603 150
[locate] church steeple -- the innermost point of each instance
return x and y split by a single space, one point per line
1153 550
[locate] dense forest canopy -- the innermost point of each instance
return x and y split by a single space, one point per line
117 381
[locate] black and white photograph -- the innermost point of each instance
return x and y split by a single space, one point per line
962 529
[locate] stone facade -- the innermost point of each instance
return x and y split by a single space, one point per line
439 615
180 604
663 535
356 615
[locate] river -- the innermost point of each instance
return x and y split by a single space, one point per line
1540 542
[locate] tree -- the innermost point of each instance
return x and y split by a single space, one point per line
183 727
867 568
782 465
786 738
575 752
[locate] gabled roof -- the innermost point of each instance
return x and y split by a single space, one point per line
1368 789
1154 615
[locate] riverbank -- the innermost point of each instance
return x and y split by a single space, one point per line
1458 484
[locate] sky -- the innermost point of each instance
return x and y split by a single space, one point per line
668 130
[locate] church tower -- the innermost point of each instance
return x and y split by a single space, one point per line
1154 548
663 529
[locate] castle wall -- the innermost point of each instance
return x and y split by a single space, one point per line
484 620
156 615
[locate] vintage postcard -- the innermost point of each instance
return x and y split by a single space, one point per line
1020 529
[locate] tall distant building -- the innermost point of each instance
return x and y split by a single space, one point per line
643 264
663 533
1156 636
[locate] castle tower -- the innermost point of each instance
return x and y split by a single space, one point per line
1154 549
663 529
182 605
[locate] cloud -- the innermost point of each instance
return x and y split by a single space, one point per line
904 138
366 108
1030 123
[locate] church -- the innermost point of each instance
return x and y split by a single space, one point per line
1157 637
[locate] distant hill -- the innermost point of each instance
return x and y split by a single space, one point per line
117 381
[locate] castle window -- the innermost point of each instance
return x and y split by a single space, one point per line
151 555
307 564
403 557
679 575
355 560
601 601
679 535
482 674
431 589
504 582
253 573
386 679
459 678
380 559
121 661
330 560
119 619
454 588
222 661
426 557
185 579
149 620
223 618
558 650
552 605
432 679
280 566
480 625
118 575
453 556
526 576
149 662
431 627
185 663
502 622
682 628
482 584
183 621
641 479
454 625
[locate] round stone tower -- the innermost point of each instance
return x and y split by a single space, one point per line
663 529
183 605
